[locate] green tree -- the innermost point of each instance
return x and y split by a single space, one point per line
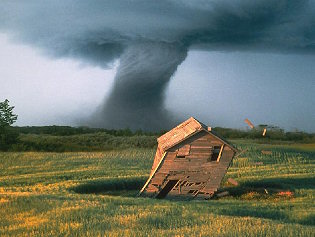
8 137
7 118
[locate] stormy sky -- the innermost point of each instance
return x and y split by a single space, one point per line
149 64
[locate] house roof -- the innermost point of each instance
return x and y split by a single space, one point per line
184 130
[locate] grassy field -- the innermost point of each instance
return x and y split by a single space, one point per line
94 194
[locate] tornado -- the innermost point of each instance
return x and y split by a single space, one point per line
151 39
137 97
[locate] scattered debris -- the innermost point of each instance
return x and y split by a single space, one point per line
233 181
249 123
241 152
285 194
223 194
264 132
266 191
266 152
259 163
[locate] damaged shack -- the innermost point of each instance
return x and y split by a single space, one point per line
190 162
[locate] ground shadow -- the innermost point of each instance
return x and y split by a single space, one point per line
263 190
127 186
256 211
290 182
271 186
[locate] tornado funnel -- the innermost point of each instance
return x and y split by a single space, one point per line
137 97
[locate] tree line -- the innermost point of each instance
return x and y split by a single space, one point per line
66 138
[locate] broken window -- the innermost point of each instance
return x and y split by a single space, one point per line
183 151
216 152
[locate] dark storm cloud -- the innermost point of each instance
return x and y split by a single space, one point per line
284 26
138 94
152 38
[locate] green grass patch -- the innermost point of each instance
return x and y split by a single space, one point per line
94 194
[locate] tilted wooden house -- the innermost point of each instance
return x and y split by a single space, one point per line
190 162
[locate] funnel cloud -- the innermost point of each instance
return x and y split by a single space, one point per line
138 93
151 39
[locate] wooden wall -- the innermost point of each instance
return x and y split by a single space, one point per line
189 163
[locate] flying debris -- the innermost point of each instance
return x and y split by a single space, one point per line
249 123
264 132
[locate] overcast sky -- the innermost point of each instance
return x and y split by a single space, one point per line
46 91
150 64
221 89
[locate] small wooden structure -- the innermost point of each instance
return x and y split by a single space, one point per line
190 162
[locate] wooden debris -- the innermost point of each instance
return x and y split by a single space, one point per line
264 132
249 123
240 153
233 181
285 194
259 163
223 194
266 152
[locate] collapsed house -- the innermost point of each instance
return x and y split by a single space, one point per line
190 162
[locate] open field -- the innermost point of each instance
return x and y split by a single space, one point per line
94 194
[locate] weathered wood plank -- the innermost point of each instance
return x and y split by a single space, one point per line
186 152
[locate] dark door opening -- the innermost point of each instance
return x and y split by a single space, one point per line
167 188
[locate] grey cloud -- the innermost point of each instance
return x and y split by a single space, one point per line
152 38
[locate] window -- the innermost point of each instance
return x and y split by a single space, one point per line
216 153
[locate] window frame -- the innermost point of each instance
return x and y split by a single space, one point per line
219 154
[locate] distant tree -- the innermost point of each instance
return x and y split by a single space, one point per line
7 118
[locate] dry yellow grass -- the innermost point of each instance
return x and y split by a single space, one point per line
37 197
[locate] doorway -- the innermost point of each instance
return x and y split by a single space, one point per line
167 188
